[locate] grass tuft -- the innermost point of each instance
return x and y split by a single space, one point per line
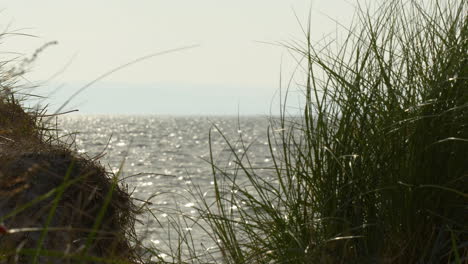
375 169
56 206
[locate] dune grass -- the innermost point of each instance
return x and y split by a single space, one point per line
375 170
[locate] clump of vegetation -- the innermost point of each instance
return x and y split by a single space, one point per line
55 206
376 169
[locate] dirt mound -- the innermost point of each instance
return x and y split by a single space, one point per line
57 206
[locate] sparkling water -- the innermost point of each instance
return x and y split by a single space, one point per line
167 159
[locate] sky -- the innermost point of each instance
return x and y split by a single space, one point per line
235 68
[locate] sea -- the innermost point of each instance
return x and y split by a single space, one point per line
165 162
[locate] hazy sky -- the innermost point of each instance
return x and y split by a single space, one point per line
232 71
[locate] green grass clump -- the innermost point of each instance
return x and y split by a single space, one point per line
376 168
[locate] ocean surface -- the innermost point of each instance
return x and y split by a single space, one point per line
165 160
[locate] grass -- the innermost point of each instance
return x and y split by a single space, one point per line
374 170
55 205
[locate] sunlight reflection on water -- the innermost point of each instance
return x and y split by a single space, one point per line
167 157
